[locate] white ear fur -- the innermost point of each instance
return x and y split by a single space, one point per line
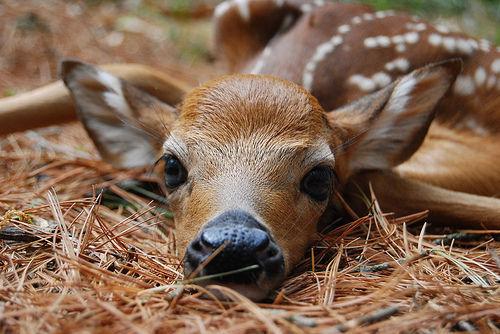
390 125
113 113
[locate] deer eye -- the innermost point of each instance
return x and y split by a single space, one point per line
317 183
175 173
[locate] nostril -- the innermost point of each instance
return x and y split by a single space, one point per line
196 245
271 252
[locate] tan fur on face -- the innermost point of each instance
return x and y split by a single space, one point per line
249 142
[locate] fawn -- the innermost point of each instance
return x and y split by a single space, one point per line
252 160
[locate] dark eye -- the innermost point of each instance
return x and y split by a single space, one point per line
175 173
317 183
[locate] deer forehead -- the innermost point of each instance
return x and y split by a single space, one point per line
247 122
241 106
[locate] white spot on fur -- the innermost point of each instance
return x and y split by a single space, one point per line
381 79
449 44
319 3
411 37
401 48
363 83
345 28
261 61
416 26
485 45
368 16
464 46
474 44
370 42
464 85
442 29
306 8
383 41
480 76
222 8
279 3
366 84
400 64
380 15
495 66
319 55
435 39
356 20
243 9
397 39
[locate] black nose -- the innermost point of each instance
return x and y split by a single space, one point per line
241 241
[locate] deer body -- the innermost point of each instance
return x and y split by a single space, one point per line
252 160
341 52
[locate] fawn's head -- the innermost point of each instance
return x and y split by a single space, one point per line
251 161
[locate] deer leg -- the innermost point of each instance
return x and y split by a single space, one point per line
446 207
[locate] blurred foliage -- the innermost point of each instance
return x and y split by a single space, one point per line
476 17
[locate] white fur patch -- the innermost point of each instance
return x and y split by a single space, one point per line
411 37
464 46
435 39
306 8
383 41
416 26
495 66
480 76
363 83
449 44
367 84
114 96
401 48
396 39
243 9
400 64
368 16
319 55
402 94
222 8
343 29
464 85
356 20
259 65
370 42
442 29
484 45
381 79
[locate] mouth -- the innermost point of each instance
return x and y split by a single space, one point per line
253 282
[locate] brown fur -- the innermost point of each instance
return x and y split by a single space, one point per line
230 131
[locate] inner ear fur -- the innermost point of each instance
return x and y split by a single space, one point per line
384 129
126 124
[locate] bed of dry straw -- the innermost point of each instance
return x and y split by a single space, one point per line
74 259
97 268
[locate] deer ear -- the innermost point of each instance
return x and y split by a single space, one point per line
126 124
384 129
